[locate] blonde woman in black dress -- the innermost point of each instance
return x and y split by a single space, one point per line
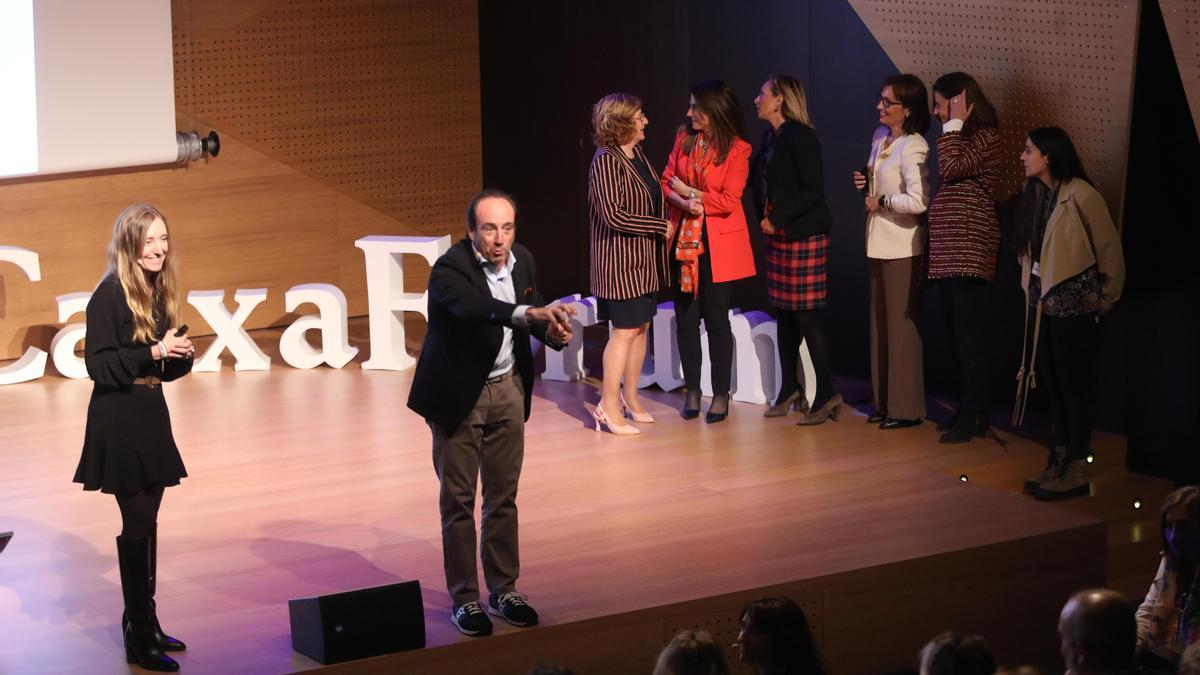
135 342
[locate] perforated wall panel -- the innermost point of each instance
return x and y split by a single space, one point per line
1182 18
1066 63
377 98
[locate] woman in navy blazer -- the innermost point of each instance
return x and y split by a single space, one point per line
789 190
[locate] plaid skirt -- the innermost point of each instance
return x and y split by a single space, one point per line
796 271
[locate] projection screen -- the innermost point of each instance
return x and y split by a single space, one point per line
86 85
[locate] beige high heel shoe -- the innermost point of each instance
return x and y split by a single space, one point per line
830 410
793 402
633 415
601 417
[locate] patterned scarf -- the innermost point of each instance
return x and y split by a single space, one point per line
689 245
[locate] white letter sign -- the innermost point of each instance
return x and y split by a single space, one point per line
330 319
386 300
228 329
32 363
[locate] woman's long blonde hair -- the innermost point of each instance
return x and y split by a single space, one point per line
795 103
143 294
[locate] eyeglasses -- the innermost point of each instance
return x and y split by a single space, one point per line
887 103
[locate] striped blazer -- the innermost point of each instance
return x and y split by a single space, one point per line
628 237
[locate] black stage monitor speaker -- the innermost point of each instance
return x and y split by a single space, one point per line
358 624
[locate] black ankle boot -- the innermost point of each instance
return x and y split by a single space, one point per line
165 642
691 404
945 426
718 410
966 426
138 624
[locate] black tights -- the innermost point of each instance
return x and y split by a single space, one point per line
796 326
139 512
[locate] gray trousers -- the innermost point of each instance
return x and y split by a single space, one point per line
490 443
897 369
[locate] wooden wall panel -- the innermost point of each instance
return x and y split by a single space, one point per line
1182 18
338 119
377 99
1066 63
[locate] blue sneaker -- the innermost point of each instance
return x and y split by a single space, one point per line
513 607
470 619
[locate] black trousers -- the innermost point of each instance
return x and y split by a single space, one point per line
1065 362
967 303
713 305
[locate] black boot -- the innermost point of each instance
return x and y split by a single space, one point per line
141 645
945 426
165 642
966 426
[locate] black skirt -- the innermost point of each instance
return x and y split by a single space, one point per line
629 313
128 445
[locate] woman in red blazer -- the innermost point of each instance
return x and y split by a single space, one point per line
703 182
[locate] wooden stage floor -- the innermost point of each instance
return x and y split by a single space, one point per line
312 482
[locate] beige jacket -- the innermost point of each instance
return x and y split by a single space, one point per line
1079 233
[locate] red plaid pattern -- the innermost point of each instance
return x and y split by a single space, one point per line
796 271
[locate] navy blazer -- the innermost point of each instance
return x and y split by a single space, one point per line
795 182
464 334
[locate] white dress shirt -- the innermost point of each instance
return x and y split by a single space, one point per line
899 171
499 280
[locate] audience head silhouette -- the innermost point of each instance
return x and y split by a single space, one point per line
692 652
1098 632
951 653
775 638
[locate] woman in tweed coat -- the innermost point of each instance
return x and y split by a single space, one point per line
964 238
629 235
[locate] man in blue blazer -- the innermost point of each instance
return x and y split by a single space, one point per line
473 385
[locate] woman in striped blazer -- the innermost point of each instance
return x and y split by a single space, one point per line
629 231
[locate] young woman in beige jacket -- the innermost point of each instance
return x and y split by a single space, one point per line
1072 270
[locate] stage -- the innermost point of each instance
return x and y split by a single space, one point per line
309 482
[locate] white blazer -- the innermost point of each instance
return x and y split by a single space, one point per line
901 172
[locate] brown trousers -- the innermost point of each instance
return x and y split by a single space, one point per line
897 369
490 443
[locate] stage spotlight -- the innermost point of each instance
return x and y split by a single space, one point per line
1137 503
963 477
192 146
1091 459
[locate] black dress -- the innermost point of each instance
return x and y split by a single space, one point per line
128 445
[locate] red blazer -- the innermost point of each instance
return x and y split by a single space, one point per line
725 221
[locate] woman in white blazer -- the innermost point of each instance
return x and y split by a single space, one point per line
896 184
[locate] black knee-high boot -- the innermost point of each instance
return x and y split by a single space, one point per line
141 644
165 642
